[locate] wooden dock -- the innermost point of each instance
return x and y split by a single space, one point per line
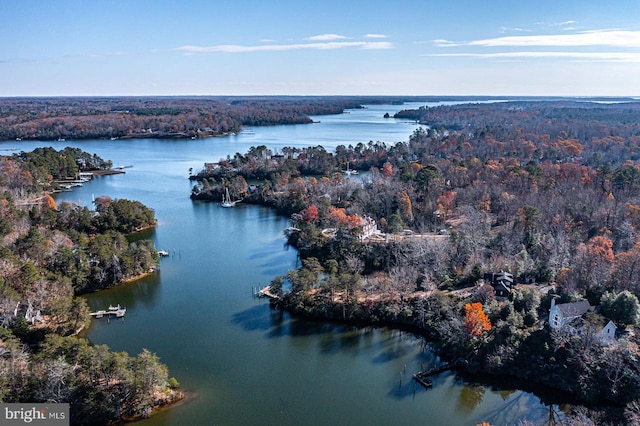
422 377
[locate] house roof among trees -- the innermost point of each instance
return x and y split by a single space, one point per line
574 309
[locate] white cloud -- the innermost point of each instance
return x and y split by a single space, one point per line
612 38
446 43
375 36
586 56
515 29
234 48
326 37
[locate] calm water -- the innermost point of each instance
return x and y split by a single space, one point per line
246 363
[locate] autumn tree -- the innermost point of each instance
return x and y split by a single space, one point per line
404 205
626 270
49 202
475 319
594 262
387 170
310 214
446 202
341 219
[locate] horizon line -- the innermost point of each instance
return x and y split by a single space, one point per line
637 97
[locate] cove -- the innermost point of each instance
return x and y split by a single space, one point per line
247 363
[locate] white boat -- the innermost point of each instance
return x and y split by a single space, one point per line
226 200
349 171
163 253
114 308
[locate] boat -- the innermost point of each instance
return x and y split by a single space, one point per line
226 200
348 171
117 310
163 253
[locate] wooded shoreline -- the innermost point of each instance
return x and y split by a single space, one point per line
482 180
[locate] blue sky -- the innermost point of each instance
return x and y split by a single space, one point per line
327 47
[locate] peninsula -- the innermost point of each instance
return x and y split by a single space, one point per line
470 233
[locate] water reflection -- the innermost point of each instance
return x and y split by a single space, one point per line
470 397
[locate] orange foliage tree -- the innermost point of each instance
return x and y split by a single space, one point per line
342 219
405 207
445 202
387 170
599 249
49 202
310 214
475 319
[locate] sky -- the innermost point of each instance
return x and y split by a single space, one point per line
326 47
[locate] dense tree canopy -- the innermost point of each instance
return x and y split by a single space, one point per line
159 117
48 255
547 191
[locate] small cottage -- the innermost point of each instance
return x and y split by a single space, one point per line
608 333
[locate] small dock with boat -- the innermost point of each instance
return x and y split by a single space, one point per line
265 292
117 310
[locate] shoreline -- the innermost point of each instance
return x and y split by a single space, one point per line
136 278
358 317
179 398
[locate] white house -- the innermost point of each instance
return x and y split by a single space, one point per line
569 315
369 228
560 315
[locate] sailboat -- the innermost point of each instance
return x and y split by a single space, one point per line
226 200
349 171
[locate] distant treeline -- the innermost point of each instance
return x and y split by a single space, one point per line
160 117
590 133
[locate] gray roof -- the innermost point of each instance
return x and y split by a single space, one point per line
574 309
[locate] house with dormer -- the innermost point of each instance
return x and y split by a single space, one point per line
561 315
572 316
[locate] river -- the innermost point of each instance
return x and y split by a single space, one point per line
242 362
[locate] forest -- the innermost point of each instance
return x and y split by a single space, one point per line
160 117
51 254
547 191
